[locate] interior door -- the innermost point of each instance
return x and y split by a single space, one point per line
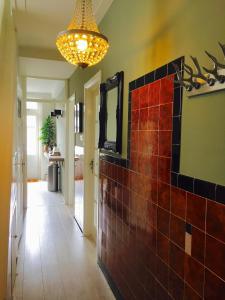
14 245
20 175
96 164
13 237
91 163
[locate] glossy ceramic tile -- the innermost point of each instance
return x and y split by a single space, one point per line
194 274
215 222
163 221
178 202
198 245
190 294
215 255
163 247
164 195
176 286
146 209
177 231
196 210
214 287
176 262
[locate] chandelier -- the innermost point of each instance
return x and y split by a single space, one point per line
82 43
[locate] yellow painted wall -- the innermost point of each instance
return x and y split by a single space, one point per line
146 34
8 64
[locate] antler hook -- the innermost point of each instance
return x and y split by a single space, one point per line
214 71
222 46
180 80
190 71
210 81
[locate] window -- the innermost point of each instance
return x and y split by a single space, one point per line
32 135
32 105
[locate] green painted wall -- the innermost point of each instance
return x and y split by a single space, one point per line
203 137
146 34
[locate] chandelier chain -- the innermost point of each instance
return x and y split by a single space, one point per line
83 14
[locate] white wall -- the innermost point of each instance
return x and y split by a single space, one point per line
8 65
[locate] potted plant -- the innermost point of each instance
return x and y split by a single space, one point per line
48 134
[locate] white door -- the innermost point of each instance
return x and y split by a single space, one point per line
20 175
91 156
14 249
19 195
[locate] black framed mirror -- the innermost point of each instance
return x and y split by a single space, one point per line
111 113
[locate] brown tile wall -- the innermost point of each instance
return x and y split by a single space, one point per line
143 219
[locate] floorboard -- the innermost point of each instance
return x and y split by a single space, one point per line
55 261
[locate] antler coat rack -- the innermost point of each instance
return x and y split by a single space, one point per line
198 83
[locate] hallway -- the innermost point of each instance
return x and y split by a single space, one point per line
55 261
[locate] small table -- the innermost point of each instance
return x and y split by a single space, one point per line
56 159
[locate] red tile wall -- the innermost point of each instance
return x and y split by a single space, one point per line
142 218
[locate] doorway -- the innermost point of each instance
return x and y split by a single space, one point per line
91 156
79 186
46 118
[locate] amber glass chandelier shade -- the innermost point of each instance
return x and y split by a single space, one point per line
82 44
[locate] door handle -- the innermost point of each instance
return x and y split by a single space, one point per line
91 164
20 164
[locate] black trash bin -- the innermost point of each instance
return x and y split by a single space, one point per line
53 177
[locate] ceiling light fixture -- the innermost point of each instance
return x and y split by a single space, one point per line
82 43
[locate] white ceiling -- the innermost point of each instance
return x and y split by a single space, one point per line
45 89
44 68
39 21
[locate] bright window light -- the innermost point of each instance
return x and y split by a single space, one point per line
32 135
32 105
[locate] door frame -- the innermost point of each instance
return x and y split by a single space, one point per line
24 116
89 86
70 153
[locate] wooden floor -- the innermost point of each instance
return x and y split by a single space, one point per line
55 261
